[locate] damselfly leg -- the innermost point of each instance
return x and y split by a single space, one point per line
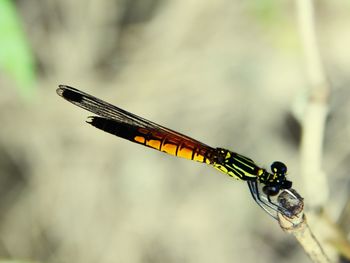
265 202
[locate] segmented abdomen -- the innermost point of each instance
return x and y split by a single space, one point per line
169 143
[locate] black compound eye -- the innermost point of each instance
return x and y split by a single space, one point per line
278 168
271 190
286 184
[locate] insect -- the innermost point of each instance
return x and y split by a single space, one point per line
131 127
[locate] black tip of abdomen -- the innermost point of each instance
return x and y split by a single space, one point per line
119 129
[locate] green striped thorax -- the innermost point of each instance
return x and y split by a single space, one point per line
244 168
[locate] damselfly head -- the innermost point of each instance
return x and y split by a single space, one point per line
279 181
286 184
271 190
274 188
278 168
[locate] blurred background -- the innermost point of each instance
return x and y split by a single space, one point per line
228 73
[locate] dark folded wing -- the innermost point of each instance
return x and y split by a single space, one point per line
135 128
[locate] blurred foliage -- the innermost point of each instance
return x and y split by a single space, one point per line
267 11
273 16
16 58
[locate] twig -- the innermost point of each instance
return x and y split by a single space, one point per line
296 224
313 123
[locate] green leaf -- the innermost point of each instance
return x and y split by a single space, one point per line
16 58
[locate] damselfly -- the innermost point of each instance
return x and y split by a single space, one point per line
131 127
